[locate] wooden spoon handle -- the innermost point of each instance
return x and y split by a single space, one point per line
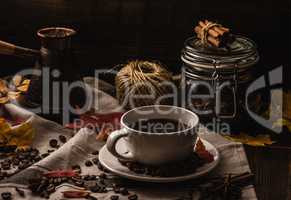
11 49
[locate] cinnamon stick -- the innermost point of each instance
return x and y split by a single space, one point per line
211 40
215 35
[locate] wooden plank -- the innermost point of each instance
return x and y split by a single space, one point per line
271 168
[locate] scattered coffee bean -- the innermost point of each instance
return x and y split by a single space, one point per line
132 197
53 143
37 158
95 161
22 166
95 153
56 182
88 163
101 182
20 192
45 195
103 190
116 190
76 178
50 188
44 155
6 196
34 153
94 189
91 197
62 138
114 197
5 166
87 177
79 183
115 185
42 186
180 168
50 150
123 191
100 167
103 175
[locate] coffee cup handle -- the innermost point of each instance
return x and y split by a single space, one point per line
112 141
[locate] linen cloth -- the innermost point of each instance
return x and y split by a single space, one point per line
79 147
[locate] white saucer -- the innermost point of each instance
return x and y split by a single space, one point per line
111 163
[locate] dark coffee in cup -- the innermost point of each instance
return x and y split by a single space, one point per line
155 135
158 125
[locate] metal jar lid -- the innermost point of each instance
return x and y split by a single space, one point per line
242 53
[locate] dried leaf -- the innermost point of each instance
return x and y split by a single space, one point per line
5 130
3 87
259 140
287 105
199 145
201 151
281 123
4 100
103 134
24 86
17 80
97 121
13 95
21 136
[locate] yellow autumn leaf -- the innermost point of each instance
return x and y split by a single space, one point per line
281 123
22 88
3 86
287 105
4 100
259 140
22 136
13 95
5 129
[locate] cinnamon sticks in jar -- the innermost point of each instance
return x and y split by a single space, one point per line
213 34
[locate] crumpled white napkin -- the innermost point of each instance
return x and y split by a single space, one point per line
80 146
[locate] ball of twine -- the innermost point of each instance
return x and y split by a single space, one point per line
141 78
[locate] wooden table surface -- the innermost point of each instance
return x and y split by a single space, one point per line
272 169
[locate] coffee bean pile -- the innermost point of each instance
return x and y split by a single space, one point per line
21 159
6 196
95 161
44 186
180 168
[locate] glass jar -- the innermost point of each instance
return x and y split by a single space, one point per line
214 80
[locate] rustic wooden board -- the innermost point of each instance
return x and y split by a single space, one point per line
272 172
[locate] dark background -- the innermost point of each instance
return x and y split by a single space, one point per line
114 31
111 32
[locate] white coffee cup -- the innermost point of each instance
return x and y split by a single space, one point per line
155 148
